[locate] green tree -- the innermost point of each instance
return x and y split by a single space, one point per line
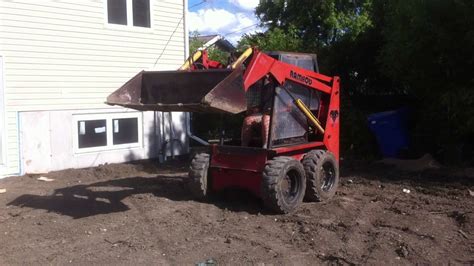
274 39
420 48
346 35
429 49
318 22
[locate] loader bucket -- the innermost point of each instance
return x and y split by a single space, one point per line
217 90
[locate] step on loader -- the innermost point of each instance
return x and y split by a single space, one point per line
298 155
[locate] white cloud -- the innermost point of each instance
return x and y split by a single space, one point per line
245 4
221 21
245 20
210 20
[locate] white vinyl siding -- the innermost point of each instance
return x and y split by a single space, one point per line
2 119
63 55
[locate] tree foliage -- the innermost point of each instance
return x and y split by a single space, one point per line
319 22
274 39
418 48
429 49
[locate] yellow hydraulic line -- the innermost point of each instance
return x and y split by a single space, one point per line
309 115
187 64
242 57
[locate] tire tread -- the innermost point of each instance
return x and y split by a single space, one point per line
312 161
272 174
198 176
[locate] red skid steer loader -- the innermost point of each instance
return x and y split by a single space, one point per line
297 157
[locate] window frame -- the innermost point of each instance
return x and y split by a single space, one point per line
129 26
106 135
108 117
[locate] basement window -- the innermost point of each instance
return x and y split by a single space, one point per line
101 132
92 133
135 13
125 130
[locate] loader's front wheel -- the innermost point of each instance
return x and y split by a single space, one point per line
198 183
283 184
322 175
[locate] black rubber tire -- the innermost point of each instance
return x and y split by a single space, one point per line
283 184
322 175
198 181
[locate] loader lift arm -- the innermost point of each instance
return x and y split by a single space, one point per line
262 64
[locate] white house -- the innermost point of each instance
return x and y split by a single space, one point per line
59 59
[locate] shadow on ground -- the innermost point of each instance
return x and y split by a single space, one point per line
108 196
105 197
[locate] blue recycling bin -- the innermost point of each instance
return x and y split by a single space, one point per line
390 129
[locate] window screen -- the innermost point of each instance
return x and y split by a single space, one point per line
117 11
92 133
125 130
141 13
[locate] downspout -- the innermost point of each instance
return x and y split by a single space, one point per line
157 137
172 139
162 143
186 55
190 134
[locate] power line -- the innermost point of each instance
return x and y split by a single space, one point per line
174 31
168 42
198 4
241 29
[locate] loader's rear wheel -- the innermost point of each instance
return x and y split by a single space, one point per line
283 184
198 176
322 175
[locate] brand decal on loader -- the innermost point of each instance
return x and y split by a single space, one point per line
300 77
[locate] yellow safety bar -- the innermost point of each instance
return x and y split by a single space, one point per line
309 115
188 62
242 57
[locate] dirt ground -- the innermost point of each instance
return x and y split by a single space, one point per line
140 213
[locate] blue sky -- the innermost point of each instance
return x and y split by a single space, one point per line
230 18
